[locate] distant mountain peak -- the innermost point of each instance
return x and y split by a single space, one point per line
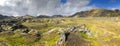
98 13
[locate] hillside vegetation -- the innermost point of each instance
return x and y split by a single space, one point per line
101 31
96 27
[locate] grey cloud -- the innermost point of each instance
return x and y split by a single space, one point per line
47 7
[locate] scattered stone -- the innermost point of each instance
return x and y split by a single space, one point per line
26 30
79 28
34 33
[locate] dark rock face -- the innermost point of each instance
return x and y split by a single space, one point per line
66 36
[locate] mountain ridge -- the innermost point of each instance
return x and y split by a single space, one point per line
89 13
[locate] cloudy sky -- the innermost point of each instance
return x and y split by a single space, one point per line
53 7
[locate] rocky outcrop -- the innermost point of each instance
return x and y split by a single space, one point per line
68 36
17 26
78 28
11 27
71 39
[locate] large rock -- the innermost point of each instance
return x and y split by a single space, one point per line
1 29
71 39
71 36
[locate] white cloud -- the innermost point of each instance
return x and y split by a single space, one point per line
2 2
47 7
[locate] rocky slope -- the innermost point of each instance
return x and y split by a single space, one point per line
98 13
